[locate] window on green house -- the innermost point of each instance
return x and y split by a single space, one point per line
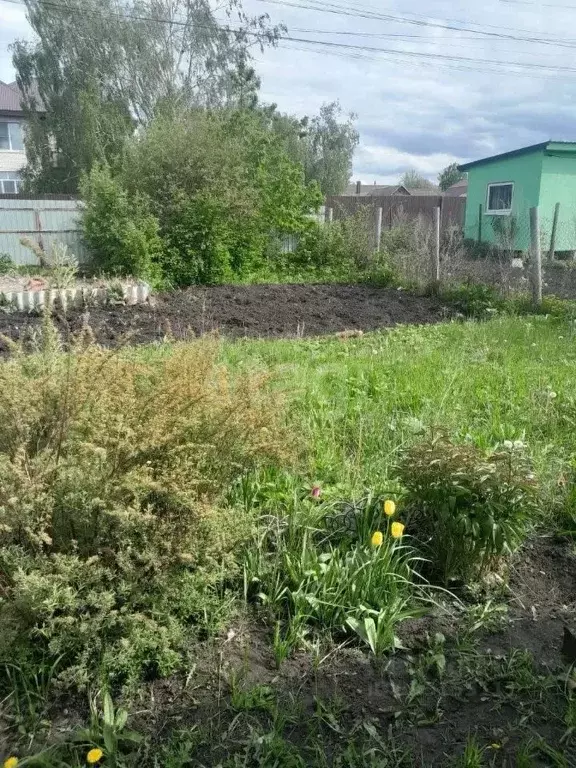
499 198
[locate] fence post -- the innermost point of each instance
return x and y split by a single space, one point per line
553 235
536 257
437 212
480 223
330 215
379 214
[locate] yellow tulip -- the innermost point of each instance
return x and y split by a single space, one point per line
377 539
11 762
94 756
389 507
397 529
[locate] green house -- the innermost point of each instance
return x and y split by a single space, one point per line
503 188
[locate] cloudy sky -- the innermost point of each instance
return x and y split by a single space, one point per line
431 81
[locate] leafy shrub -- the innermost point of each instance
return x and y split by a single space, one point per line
563 309
110 474
473 299
198 243
343 248
467 508
221 185
119 231
6 263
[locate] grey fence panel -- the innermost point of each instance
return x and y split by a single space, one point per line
45 220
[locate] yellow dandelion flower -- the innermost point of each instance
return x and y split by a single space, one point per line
94 756
11 762
377 539
389 507
397 529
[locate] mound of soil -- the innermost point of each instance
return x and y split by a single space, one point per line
245 310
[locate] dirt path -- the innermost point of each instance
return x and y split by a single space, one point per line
247 310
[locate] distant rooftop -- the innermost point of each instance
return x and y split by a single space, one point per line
10 98
359 189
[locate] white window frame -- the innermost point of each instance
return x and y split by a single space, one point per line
9 123
11 176
501 211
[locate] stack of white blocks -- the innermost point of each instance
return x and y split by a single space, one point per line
70 297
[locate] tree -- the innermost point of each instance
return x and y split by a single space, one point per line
413 180
329 145
103 68
450 175
323 144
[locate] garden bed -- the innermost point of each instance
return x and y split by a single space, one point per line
246 310
499 684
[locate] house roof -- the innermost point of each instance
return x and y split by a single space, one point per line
9 98
421 191
547 146
458 189
381 190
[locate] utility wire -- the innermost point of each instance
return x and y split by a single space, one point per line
494 66
339 10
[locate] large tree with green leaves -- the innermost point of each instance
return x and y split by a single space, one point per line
323 144
100 69
450 175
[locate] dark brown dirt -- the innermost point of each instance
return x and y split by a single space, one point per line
245 310
502 687
505 688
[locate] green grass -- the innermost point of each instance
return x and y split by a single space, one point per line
357 403
352 407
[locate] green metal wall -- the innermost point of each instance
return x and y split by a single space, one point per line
525 171
559 186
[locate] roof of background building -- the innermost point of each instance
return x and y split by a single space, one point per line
9 98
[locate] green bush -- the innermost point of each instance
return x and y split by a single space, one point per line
473 299
111 470
221 186
6 263
563 309
467 508
119 231
342 249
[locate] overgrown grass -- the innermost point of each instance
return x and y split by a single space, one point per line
296 538
357 403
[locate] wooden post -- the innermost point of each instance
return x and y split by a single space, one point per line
553 235
536 257
379 214
330 215
437 244
480 223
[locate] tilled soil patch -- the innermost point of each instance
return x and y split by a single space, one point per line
243 310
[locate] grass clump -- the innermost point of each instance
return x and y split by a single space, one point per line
111 472
467 507
354 583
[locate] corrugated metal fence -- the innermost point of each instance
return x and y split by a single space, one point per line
46 219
